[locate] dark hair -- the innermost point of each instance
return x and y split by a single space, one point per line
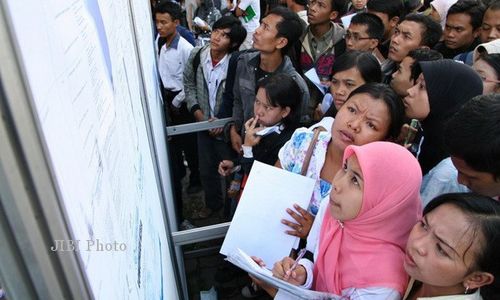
301 2
365 62
473 134
494 5
474 9
411 6
290 26
171 8
393 8
432 30
237 32
483 214
493 60
282 90
375 26
391 99
339 6
422 54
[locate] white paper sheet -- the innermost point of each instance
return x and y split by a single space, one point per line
326 103
240 259
256 227
346 20
314 78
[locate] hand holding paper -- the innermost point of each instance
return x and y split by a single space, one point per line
256 227
241 259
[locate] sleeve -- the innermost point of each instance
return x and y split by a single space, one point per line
244 4
188 48
309 266
189 81
290 155
237 103
246 164
440 180
186 51
305 113
313 237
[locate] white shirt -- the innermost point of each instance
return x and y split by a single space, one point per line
172 61
303 15
440 180
214 75
254 23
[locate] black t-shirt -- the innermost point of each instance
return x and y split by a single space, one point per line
259 74
451 53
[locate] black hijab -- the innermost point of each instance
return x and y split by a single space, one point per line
449 85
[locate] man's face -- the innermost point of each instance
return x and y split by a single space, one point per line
357 38
219 39
401 81
320 12
389 24
166 25
490 29
265 36
479 182
458 32
406 37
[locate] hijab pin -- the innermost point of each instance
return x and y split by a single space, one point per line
341 224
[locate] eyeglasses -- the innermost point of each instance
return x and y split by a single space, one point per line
355 37
484 79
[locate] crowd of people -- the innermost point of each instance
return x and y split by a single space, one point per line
391 106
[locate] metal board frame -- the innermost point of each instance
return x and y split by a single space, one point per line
29 196
168 204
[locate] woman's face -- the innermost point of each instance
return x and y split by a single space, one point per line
361 120
442 249
346 196
359 4
435 15
417 101
343 83
268 115
488 76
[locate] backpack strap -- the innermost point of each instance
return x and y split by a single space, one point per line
161 41
196 64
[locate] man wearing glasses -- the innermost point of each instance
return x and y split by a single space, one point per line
365 33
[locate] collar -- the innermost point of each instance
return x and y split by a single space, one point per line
208 59
175 42
328 36
254 62
278 128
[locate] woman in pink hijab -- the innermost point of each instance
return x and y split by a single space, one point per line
373 206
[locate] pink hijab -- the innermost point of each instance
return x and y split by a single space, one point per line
368 251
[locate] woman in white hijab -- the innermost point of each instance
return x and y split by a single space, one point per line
439 10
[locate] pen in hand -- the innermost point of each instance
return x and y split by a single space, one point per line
301 254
